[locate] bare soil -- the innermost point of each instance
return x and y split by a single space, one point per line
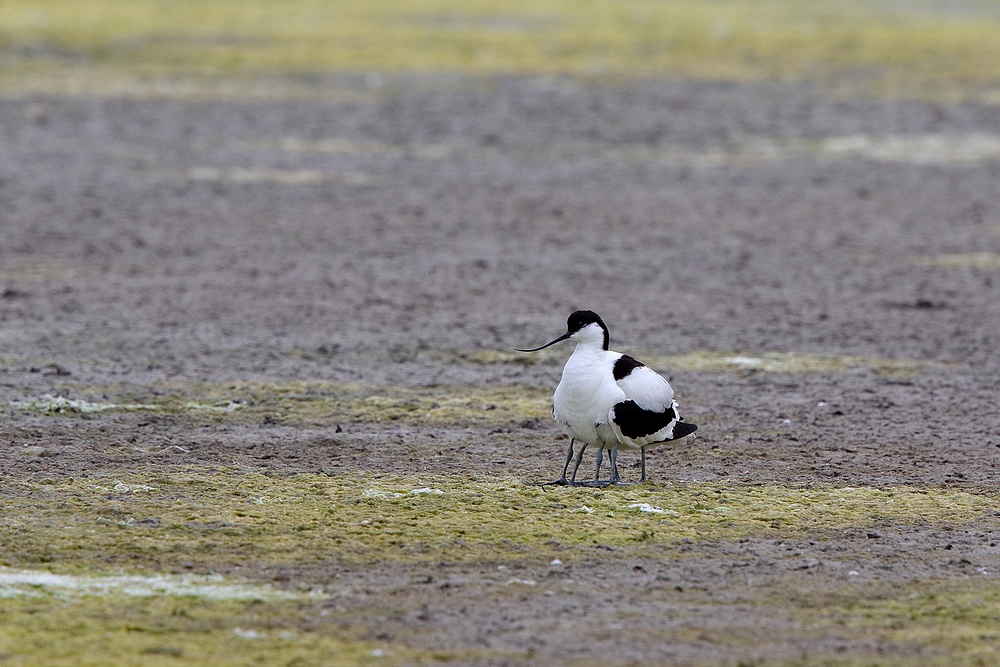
150 241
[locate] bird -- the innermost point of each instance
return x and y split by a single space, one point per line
610 400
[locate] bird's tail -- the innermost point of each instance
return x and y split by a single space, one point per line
683 429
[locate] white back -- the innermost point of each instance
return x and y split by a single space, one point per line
647 388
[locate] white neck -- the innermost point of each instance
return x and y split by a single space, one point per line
591 335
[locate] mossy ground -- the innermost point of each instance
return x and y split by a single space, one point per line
929 50
240 521
165 630
319 402
249 524
307 402
238 518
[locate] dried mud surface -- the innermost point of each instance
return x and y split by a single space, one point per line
210 242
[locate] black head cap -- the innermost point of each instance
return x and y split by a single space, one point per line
578 319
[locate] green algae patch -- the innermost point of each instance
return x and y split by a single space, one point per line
792 362
931 622
715 362
223 519
914 149
279 176
161 47
41 271
490 356
969 260
738 149
308 402
941 623
60 405
117 629
323 403
40 583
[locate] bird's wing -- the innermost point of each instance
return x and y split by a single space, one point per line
643 385
636 426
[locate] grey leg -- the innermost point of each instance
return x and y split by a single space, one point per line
597 469
569 457
579 460
613 455
643 478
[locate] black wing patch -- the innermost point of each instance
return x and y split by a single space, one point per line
682 429
624 366
636 422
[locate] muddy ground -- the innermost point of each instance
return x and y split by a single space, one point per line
379 235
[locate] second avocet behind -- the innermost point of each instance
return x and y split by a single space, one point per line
611 400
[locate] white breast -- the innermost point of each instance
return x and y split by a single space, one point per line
585 396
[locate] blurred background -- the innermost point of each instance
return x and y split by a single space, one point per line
284 249
430 178
945 50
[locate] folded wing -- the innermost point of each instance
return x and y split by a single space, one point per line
649 416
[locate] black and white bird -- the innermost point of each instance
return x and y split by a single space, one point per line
610 400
